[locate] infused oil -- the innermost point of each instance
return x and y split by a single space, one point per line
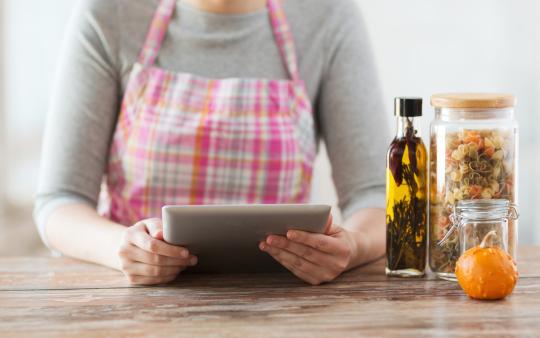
406 194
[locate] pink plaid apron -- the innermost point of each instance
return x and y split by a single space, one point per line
184 139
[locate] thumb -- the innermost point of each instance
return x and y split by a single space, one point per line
154 227
330 228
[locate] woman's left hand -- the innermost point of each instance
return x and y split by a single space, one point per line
314 258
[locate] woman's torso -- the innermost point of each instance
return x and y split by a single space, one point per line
104 40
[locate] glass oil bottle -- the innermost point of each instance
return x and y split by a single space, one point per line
406 194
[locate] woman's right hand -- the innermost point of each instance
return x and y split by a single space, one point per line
146 259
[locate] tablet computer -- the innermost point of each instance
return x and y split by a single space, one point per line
226 237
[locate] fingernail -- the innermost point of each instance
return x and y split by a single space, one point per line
270 240
193 261
262 246
291 235
184 253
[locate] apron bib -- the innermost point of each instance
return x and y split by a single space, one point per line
183 139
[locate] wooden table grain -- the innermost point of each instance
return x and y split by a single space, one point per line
60 297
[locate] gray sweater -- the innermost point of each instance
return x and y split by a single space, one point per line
104 39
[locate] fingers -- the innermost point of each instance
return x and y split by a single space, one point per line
154 227
329 225
301 250
146 259
298 273
150 244
300 267
320 242
136 254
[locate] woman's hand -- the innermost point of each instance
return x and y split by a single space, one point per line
314 258
146 259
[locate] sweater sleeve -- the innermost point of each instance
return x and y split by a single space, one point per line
352 116
82 113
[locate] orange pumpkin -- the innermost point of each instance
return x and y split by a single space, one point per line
486 272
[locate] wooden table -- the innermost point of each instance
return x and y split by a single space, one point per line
63 297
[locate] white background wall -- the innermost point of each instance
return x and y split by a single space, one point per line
34 30
422 47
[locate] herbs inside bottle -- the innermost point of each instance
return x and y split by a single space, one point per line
406 214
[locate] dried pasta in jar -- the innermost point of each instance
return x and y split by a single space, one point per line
472 156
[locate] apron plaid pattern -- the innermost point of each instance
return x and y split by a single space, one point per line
184 139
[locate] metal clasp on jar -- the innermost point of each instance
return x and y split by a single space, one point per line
456 218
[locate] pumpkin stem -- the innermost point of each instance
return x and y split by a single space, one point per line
487 242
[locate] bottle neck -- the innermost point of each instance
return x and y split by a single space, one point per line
406 127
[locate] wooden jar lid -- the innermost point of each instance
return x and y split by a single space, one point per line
473 100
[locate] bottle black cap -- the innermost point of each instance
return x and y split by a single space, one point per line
408 106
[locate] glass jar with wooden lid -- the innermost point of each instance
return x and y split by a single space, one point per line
473 155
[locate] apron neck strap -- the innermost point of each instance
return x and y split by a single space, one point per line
280 27
156 33
284 38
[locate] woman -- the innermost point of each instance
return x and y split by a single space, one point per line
220 101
